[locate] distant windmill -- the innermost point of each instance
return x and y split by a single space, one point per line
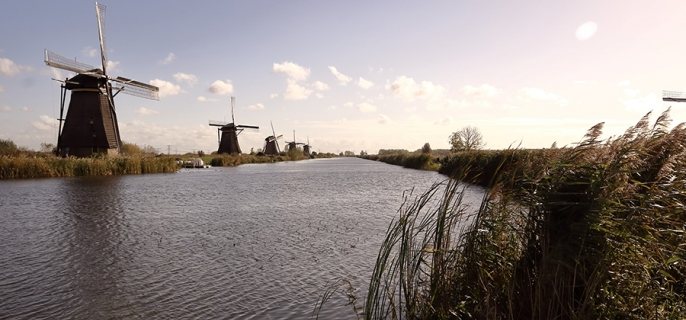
307 147
675 96
90 126
293 144
271 143
228 141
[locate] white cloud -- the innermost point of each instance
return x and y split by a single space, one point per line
188 78
146 112
5 109
294 91
342 79
291 70
348 104
89 51
538 94
445 121
169 58
25 109
273 96
643 103
45 123
320 86
410 90
112 66
635 101
221 87
166 88
2 89
9 68
383 119
366 107
586 30
205 99
482 91
257 106
364 83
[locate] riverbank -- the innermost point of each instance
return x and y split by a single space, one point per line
25 166
593 231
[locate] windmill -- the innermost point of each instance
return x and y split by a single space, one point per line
292 145
307 147
90 126
675 96
271 143
228 140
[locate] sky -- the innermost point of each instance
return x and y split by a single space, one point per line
352 75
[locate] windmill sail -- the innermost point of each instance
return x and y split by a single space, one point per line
55 60
136 88
100 15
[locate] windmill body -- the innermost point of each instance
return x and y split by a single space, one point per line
90 125
271 144
227 134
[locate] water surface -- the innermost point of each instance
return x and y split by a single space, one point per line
256 241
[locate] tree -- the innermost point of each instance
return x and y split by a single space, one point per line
466 139
426 149
8 148
47 147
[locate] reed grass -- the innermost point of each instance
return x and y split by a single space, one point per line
226 160
414 160
37 165
593 231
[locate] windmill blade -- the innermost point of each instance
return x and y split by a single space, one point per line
100 14
247 127
674 96
233 102
218 123
279 137
57 61
136 88
272 124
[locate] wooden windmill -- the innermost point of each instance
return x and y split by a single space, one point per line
90 126
227 133
271 143
292 145
307 147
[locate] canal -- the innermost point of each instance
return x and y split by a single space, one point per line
260 241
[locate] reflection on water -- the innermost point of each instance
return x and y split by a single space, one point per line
254 242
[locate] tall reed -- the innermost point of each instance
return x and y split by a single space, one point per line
45 165
594 231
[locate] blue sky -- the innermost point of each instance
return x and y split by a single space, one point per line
353 75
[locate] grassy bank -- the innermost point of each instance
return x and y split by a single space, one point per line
46 165
411 160
226 160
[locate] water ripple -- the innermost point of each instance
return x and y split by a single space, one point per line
250 242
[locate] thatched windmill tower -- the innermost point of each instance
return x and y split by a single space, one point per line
90 126
227 133
271 143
